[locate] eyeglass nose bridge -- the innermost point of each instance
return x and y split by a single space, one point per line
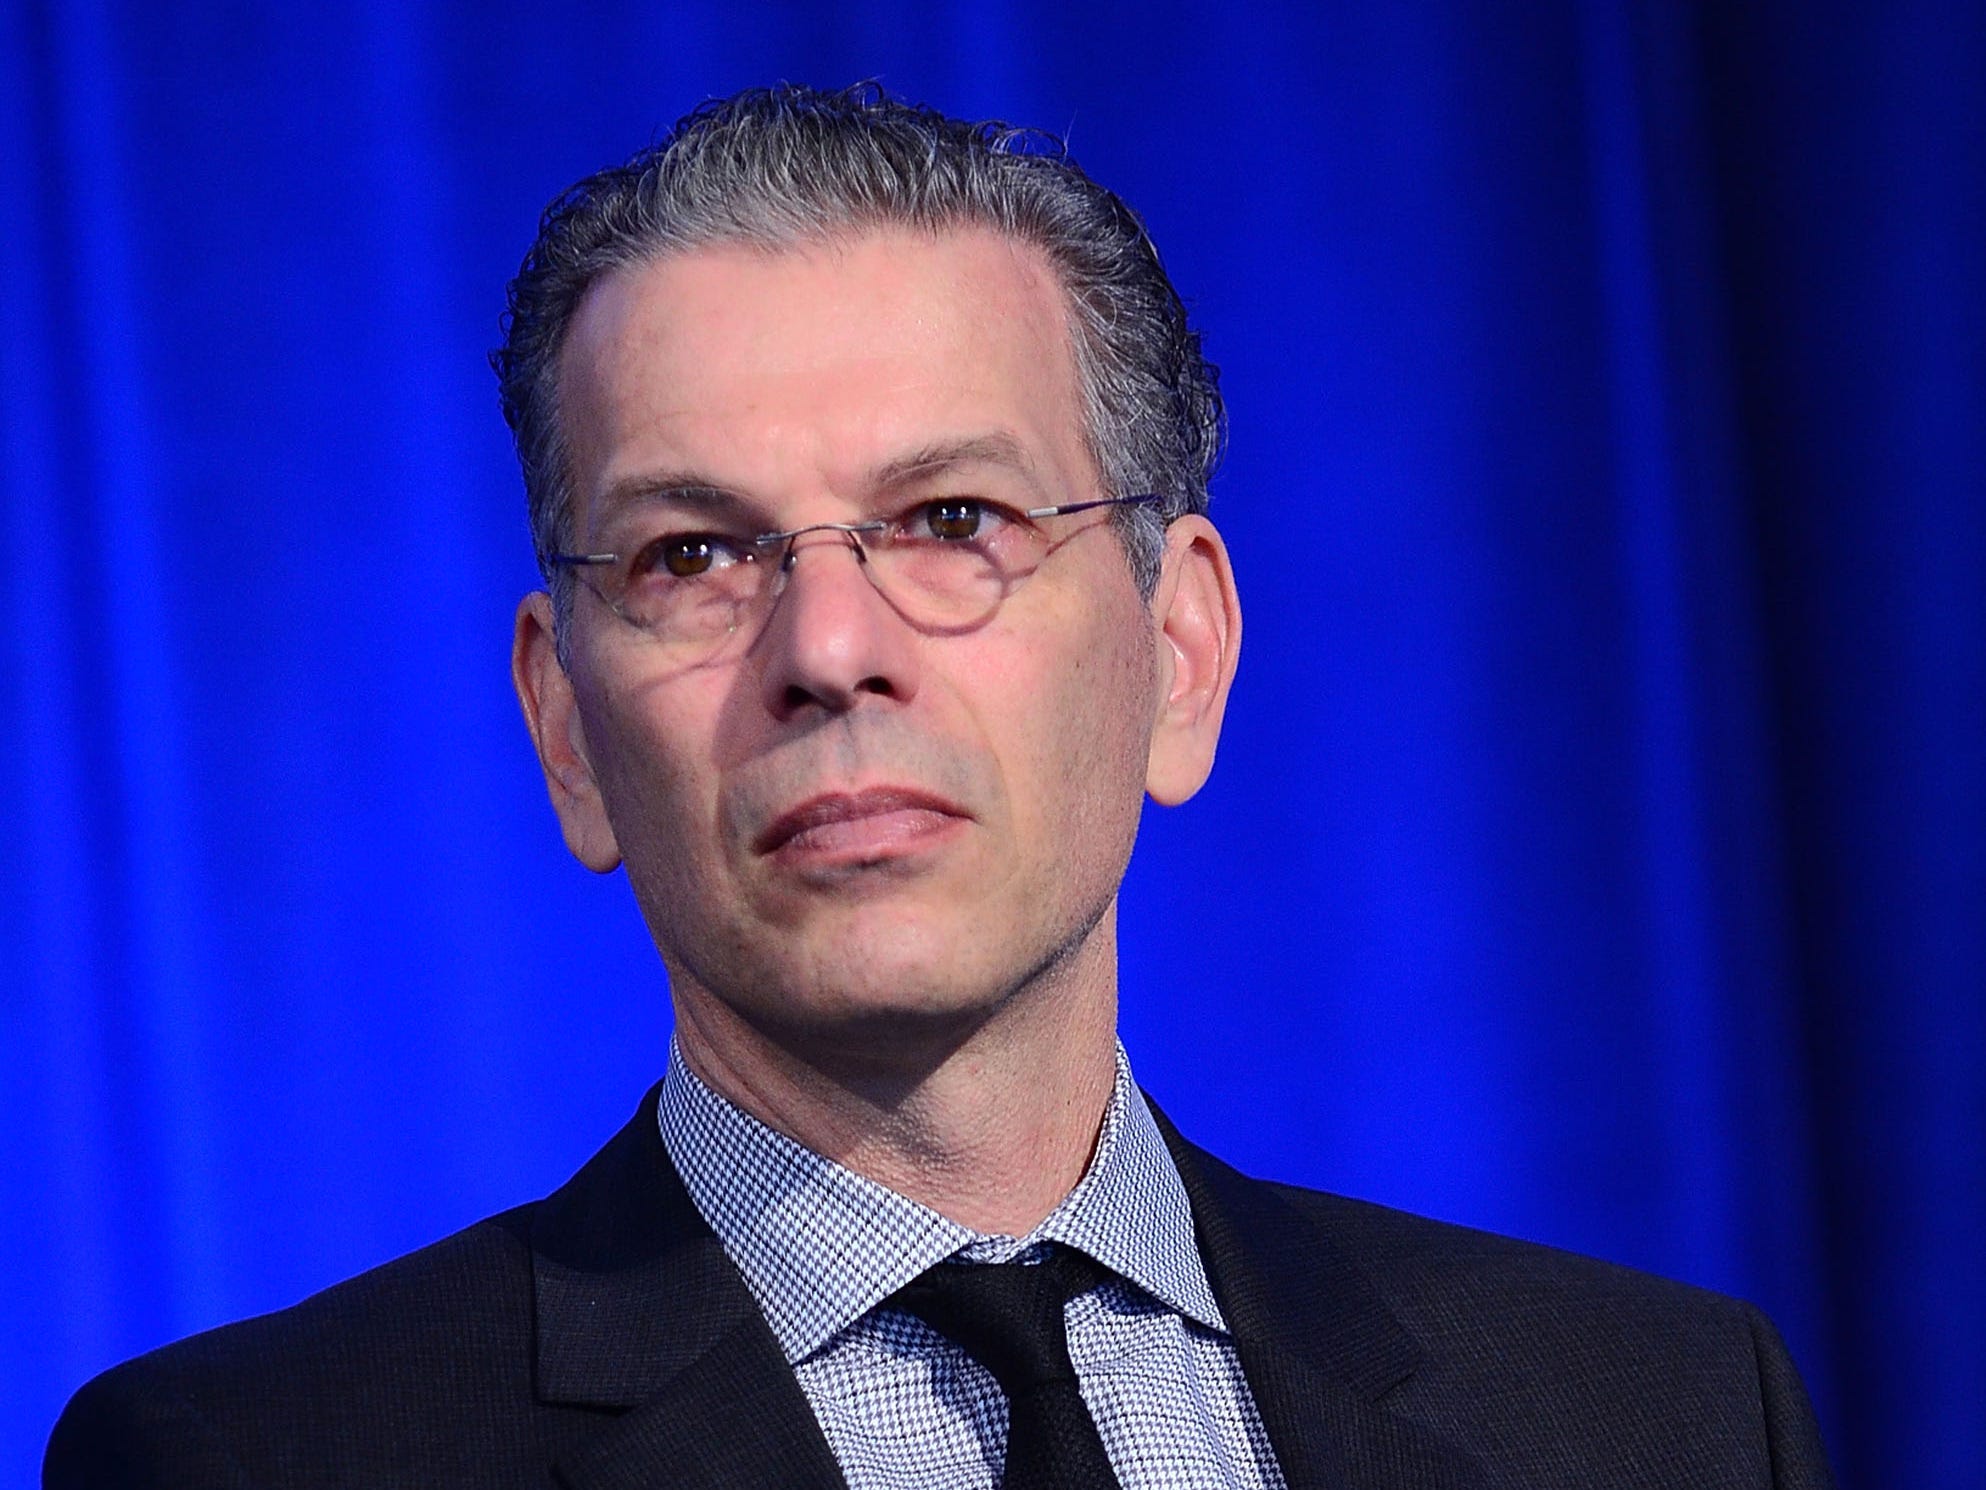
790 553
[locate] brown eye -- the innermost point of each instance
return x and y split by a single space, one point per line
683 555
954 521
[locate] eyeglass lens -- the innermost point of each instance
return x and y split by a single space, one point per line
943 565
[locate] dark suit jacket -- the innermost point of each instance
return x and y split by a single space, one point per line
600 1338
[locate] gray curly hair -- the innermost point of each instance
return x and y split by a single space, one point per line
788 165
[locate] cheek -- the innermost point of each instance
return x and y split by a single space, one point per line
1092 735
656 796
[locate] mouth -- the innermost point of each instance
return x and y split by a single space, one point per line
854 827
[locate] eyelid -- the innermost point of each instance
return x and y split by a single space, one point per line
992 506
643 555
647 536
684 510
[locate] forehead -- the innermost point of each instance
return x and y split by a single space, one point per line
796 374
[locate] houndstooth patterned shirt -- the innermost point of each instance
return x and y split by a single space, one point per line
903 1408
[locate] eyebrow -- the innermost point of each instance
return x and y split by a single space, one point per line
700 493
997 448
676 488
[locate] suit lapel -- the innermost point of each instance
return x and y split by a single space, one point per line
639 1309
640 1312
1317 1346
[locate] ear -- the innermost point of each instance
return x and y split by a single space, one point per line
551 713
1198 614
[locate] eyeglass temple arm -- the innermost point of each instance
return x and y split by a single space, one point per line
1142 499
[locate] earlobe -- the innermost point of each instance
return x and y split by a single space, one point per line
552 715
1198 613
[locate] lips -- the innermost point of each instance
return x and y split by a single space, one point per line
875 818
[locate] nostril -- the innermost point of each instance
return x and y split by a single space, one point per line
798 696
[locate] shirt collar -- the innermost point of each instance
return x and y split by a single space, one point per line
819 1245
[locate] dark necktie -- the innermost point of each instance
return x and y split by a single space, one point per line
1008 1317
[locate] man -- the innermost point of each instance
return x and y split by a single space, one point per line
867 453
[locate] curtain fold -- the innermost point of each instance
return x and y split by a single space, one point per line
1598 849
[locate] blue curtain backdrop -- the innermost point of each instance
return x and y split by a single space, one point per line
1598 851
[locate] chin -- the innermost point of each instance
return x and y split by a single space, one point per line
874 1043
904 988
880 999
873 1007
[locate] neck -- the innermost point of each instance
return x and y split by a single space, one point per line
990 1125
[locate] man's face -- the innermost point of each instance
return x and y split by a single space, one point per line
846 822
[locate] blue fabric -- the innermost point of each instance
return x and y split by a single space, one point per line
1598 851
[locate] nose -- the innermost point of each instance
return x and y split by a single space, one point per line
832 639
